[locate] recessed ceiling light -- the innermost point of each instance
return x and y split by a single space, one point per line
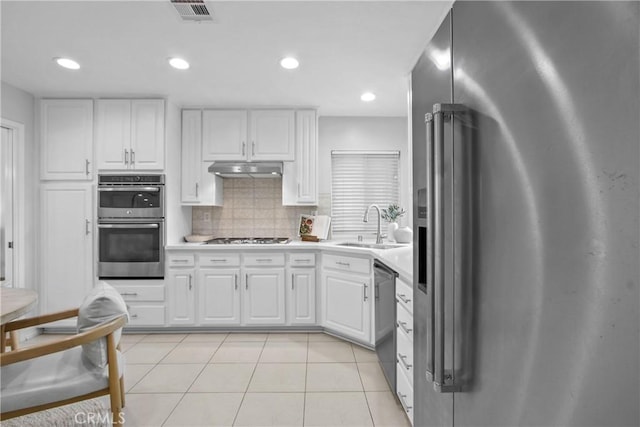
179 63
67 63
289 63
367 97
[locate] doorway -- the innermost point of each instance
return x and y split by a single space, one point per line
6 207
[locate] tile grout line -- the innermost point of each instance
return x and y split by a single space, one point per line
306 372
364 392
249 383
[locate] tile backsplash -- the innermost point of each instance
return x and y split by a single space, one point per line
252 208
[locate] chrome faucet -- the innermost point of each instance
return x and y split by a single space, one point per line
366 219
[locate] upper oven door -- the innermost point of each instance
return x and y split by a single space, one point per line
130 201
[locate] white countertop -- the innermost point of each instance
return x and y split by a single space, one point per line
399 259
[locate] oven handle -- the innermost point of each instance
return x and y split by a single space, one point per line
128 225
151 189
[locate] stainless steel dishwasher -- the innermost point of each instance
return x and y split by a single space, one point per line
385 309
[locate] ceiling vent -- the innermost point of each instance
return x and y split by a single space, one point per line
192 10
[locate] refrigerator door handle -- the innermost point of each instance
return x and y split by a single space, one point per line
429 246
444 378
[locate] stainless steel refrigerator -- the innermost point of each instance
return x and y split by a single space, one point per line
525 132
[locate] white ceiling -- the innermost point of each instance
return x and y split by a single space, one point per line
345 48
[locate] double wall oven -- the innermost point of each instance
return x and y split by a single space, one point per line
131 226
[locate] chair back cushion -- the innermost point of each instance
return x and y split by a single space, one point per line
101 305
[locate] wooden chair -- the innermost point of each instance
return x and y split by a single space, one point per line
24 391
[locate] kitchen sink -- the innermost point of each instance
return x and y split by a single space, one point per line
370 245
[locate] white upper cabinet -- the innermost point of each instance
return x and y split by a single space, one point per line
130 134
272 135
224 135
66 136
198 186
300 178
255 135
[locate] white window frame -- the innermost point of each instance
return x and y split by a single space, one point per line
359 179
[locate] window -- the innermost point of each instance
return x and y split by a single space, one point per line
359 179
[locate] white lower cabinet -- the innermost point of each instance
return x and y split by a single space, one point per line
145 301
181 296
66 246
218 296
347 296
404 346
263 296
302 296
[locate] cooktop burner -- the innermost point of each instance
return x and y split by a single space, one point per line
248 240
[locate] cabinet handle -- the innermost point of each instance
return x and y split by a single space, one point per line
403 326
402 359
235 278
302 260
264 259
344 264
133 157
133 294
126 157
87 228
243 148
404 298
179 260
253 148
217 260
365 292
134 316
86 166
196 190
246 281
404 404
298 189
291 281
190 286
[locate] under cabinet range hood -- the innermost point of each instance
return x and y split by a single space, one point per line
247 169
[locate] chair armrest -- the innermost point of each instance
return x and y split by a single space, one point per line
100 331
40 320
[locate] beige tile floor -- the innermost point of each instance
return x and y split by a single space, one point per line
276 379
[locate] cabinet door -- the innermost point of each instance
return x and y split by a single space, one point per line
299 178
218 296
264 296
347 305
199 187
66 136
272 135
191 148
113 133
147 134
224 135
302 296
181 296
67 246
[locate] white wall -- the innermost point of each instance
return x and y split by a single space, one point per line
363 133
18 106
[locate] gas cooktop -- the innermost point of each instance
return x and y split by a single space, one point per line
248 241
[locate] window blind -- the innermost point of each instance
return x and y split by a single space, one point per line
358 180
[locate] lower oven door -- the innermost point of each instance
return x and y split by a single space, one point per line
130 249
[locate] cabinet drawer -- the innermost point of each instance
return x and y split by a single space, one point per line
302 260
354 265
223 260
141 293
404 322
264 260
404 295
404 390
146 315
188 260
404 354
